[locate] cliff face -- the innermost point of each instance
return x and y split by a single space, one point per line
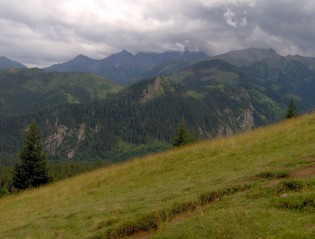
65 140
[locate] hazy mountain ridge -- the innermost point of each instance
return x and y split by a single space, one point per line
247 56
126 67
77 64
7 63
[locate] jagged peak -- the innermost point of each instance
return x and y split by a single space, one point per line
125 52
81 56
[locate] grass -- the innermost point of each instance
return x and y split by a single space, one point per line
244 186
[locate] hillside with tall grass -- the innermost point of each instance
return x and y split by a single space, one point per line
259 184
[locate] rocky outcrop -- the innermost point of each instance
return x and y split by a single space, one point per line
246 119
153 90
65 138
55 140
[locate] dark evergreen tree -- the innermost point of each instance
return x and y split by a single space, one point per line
32 171
183 136
291 111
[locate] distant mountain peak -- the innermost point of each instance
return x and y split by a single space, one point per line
81 56
124 53
7 63
3 58
77 64
121 56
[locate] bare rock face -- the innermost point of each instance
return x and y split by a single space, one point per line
61 139
242 122
54 141
153 91
246 119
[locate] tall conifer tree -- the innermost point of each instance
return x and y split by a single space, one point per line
291 111
183 136
32 171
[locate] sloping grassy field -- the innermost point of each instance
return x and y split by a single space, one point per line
259 184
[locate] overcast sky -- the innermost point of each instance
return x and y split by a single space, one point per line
44 32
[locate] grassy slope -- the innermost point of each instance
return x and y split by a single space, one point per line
179 193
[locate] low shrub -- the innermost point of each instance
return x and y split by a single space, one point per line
273 175
296 202
291 186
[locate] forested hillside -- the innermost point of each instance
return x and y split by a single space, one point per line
214 97
31 90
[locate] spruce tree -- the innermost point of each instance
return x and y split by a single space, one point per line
32 170
291 111
183 136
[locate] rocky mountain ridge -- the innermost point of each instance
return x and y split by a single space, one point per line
125 67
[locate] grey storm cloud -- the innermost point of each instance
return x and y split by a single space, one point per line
43 32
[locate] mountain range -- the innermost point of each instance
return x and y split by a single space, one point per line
125 67
214 96
86 117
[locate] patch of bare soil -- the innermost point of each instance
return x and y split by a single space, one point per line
272 183
142 234
307 171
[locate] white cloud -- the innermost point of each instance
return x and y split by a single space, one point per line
233 20
43 32
229 16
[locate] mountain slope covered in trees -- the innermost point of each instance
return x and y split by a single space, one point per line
30 90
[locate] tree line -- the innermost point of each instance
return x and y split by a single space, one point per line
32 170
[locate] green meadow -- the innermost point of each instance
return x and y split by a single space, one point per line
258 184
